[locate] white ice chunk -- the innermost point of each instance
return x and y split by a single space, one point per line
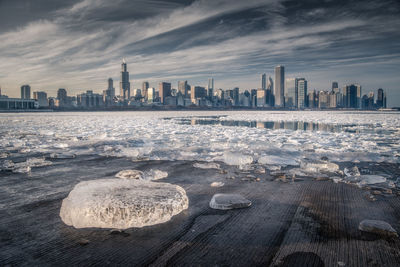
372 179
130 174
154 174
352 171
277 160
122 203
319 166
62 155
208 165
237 159
377 227
228 201
217 184
38 162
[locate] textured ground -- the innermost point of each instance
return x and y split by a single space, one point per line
309 223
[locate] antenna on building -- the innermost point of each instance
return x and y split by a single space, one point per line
123 60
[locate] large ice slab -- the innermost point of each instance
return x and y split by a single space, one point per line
237 159
122 203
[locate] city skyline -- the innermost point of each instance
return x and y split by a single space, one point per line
78 45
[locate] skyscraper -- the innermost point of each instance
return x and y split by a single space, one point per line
279 86
183 88
270 93
124 84
210 87
264 81
25 92
350 96
164 90
62 97
301 85
335 85
145 87
358 95
111 89
291 92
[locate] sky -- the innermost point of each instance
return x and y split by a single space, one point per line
79 44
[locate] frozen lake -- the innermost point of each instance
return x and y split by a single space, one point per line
205 135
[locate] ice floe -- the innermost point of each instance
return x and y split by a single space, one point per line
217 184
208 165
122 203
129 174
377 227
237 159
277 160
229 201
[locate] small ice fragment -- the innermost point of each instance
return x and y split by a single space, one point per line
274 168
228 201
372 179
22 169
130 174
4 155
154 174
237 159
259 170
122 203
318 166
276 160
38 162
209 165
61 145
217 184
377 227
352 171
8 165
62 156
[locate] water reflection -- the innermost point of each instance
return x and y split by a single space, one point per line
275 125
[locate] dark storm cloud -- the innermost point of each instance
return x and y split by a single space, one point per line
78 44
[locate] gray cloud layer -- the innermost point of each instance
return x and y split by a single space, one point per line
79 44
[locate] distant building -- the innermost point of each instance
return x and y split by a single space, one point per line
90 100
264 81
183 88
261 98
323 99
25 92
151 95
236 96
41 98
312 100
333 99
210 88
17 103
381 99
291 93
335 86
109 93
164 90
301 85
124 85
350 93
62 97
279 88
197 92
145 86
358 95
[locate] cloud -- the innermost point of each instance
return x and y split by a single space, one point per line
79 46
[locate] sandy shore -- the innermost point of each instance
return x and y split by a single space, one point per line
307 222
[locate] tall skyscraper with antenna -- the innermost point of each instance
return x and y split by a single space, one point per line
124 84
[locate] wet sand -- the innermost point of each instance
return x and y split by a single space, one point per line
306 223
